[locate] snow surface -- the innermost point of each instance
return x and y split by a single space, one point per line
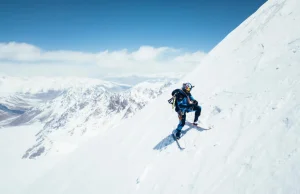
249 89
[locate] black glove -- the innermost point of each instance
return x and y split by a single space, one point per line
195 102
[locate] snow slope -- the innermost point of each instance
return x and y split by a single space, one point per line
16 173
248 87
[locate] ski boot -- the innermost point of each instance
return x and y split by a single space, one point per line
196 123
177 134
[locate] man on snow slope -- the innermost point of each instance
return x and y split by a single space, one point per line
185 103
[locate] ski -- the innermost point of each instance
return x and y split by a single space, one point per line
199 126
178 142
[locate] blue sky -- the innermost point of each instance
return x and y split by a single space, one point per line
92 26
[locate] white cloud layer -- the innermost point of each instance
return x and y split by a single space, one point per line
22 59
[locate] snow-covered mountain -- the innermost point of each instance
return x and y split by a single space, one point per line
248 87
135 79
71 110
249 90
22 95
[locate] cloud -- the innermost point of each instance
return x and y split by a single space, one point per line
22 59
150 53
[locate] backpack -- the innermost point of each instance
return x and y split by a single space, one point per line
177 95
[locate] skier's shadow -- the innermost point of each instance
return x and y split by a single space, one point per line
163 144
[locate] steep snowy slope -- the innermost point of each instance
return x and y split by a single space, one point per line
249 89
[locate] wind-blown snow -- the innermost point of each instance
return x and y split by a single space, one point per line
248 87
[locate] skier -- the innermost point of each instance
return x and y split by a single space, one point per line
184 103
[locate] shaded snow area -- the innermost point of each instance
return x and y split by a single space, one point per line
249 90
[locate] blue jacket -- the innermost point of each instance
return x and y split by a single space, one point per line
182 104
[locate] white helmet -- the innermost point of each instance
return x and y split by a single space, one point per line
187 87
